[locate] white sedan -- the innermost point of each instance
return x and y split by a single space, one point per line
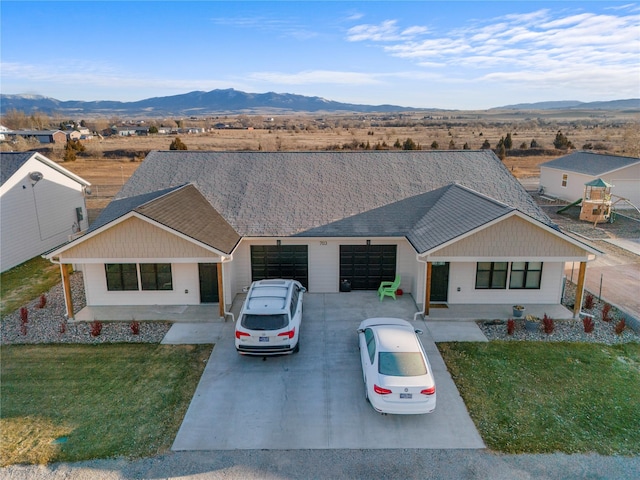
397 375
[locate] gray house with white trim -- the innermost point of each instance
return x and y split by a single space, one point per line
197 227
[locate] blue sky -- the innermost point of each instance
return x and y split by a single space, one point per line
430 54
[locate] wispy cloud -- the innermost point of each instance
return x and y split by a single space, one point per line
283 27
538 47
326 77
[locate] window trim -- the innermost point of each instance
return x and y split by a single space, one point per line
120 277
525 276
491 271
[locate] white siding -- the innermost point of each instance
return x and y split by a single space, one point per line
551 180
186 288
37 218
463 276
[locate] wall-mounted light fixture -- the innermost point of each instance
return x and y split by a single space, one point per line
278 242
368 242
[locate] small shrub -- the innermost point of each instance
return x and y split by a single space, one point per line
511 326
606 313
588 301
23 329
24 315
589 324
63 327
43 301
96 328
548 324
135 327
620 326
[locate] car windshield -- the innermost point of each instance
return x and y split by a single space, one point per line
265 322
401 364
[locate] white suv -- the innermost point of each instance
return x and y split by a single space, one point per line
269 322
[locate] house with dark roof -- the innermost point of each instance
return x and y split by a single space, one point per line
192 227
565 177
41 205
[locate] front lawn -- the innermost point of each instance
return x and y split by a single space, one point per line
21 284
540 397
78 402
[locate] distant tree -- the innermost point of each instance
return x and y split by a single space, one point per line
533 144
452 144
508 143
15 119
466 146
409 144
70 150
153 129
397 144
561 142
486 145
502 152
434 145
523 146
177 145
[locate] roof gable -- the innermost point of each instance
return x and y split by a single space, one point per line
11 162
589 163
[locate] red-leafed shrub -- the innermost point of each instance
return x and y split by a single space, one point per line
23 329
589 324
606 313
135 327
548 324
24 315
63 327
96 328
588 301
511 326
43 301
620 326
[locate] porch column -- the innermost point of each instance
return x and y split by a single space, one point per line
579 289
427 290
66 287
220 291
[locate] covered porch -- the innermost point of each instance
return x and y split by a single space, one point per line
361 300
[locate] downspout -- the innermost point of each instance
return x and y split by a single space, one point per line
225 312
424 303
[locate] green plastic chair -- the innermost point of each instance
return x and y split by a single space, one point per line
389 288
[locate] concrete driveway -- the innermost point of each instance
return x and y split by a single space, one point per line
315 399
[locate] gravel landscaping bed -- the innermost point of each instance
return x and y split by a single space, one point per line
49 325
566 330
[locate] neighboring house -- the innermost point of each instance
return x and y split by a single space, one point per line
73 134
130 131
198 227
565 177
41 205
43 136
3 131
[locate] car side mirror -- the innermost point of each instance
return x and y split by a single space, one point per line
303 290
418 331
360 330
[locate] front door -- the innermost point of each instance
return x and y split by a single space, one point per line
208 273
439 281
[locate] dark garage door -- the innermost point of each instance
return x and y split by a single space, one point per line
365 266
280 261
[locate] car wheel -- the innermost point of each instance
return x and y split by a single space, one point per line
296 349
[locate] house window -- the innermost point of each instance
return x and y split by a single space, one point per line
121 276
525 275
491 275
565 177
156 276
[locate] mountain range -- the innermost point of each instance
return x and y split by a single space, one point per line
230 101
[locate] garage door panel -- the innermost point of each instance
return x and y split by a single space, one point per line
280 261
365 266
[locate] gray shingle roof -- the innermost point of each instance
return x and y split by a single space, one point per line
10 162
338 193
590 163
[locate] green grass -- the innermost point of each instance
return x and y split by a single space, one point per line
97 401
25 282
539 397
